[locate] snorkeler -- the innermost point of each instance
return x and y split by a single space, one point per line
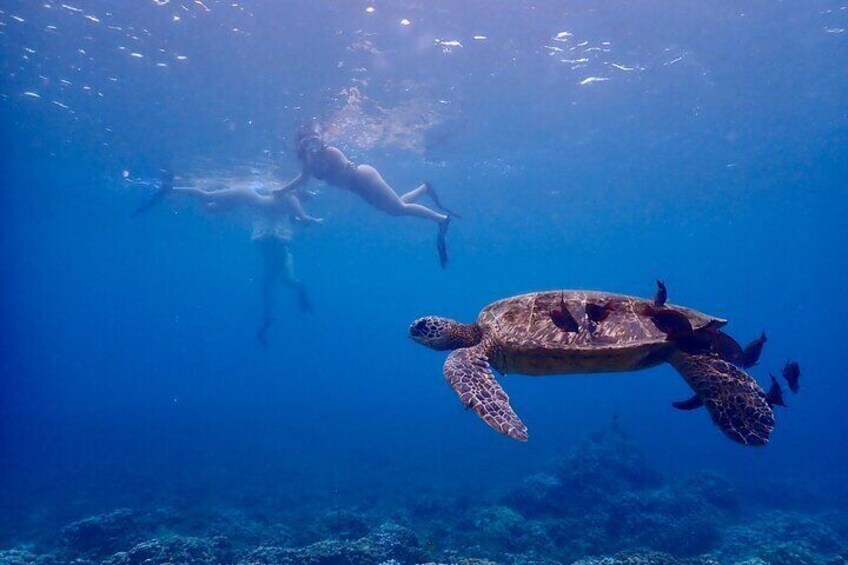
277 265
272 232
328 163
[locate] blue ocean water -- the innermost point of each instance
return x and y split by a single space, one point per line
597 145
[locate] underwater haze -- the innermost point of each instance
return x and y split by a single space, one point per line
583 144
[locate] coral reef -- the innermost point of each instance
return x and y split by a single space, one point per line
341 525
175 549
104 534
605 464
780 538
388 542
605 498
23 557
645 558
601 500
243 529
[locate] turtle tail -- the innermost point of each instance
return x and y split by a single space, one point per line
735 402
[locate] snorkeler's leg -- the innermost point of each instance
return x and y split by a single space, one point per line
270 271
414 194
219 200
215 200
371 186
418 211
435 198
303 302
427 188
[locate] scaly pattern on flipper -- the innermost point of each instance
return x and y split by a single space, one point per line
736 403
469 374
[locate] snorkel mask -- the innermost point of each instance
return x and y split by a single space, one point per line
312 143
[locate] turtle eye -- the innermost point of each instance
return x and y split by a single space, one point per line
420 326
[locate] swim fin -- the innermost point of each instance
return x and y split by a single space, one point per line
441 244
303 302
262 332
166 185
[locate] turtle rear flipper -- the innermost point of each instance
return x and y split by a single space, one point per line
468 372
736 403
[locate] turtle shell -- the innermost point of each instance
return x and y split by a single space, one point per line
529 342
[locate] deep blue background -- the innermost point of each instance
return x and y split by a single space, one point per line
129 367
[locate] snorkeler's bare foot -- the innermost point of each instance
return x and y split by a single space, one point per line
441 243
435 198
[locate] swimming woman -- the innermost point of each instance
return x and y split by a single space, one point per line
328 163
272 213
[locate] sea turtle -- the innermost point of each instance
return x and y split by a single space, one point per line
522 335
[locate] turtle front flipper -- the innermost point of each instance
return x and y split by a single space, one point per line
469 374
735 401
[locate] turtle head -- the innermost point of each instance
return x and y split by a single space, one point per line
443 333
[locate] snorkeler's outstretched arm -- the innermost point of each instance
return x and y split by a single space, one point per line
296 208
296 182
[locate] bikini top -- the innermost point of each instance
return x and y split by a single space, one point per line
329 165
